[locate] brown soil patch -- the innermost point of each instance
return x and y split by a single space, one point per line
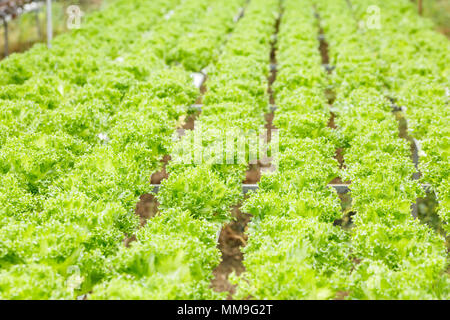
146 208
231 239
253 174
403 134
341 295
159 176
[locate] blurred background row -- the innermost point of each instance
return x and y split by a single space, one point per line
28 28
25 29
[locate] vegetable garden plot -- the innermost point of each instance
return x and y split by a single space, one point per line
84 127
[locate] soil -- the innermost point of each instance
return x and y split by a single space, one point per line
189 122
159 176
331 122
233 237
265 164
146 208
253 174
346 201
269 122
323 47
231 240
444 30
403 134
273 61
339 155
341 295
427 212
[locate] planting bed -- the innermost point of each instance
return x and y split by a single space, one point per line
107 192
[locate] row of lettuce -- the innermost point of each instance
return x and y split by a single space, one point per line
293 249
196 199
83 127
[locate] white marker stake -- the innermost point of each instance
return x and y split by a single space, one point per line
49 24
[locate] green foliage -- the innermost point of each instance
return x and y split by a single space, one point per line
83 127
294 258
201 191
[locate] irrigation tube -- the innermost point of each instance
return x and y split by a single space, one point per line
340 188
198 107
